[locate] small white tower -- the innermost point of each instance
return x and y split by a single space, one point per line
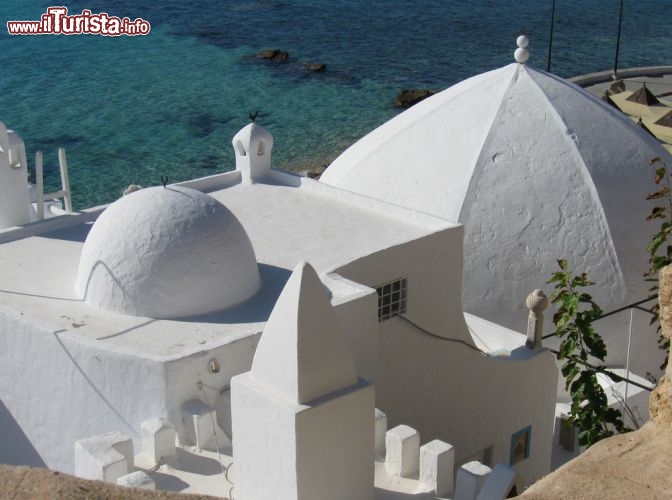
253 145
14 202
302 420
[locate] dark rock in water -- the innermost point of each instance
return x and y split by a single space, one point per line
63 140
314 172
273 55
408 97
210 34
316 67
201 125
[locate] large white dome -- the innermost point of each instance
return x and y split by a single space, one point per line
535 168
167 253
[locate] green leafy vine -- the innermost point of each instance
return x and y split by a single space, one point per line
581 344
658 259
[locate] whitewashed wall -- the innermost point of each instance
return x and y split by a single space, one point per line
60 387
450 392
446 389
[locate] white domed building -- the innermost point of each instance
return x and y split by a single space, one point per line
536 169
189 314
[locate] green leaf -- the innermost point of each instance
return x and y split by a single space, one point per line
660 175
655 243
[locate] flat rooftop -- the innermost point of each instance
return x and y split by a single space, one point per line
657 80
286 224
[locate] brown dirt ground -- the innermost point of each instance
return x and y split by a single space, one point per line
29 483
637 465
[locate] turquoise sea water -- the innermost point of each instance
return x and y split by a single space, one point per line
131 109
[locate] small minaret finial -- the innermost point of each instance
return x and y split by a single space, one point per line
521 55
536 302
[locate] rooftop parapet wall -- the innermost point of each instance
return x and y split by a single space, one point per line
608 76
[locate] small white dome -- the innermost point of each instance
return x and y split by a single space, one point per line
167 253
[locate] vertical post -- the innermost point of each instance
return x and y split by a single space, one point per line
64 179
536 303
618 40
627 359
39 185
550 38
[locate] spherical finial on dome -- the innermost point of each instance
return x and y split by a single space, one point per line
521 55
167 253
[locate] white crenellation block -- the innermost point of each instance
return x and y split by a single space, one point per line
437 467
198 423
380 431
499 483
470 479
158 439
105 457
402 451
137 479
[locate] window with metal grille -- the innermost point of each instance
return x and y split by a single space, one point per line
391 299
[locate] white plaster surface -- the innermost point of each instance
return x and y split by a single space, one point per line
200 423
14 203
253 146
302 353
286 225
84 387
111 360
103 362
499 483
514 391
470 479
356 307
380 432
301 419
167 252
137 479
158 439
536 169
437 467
105 457
402 445
302 451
